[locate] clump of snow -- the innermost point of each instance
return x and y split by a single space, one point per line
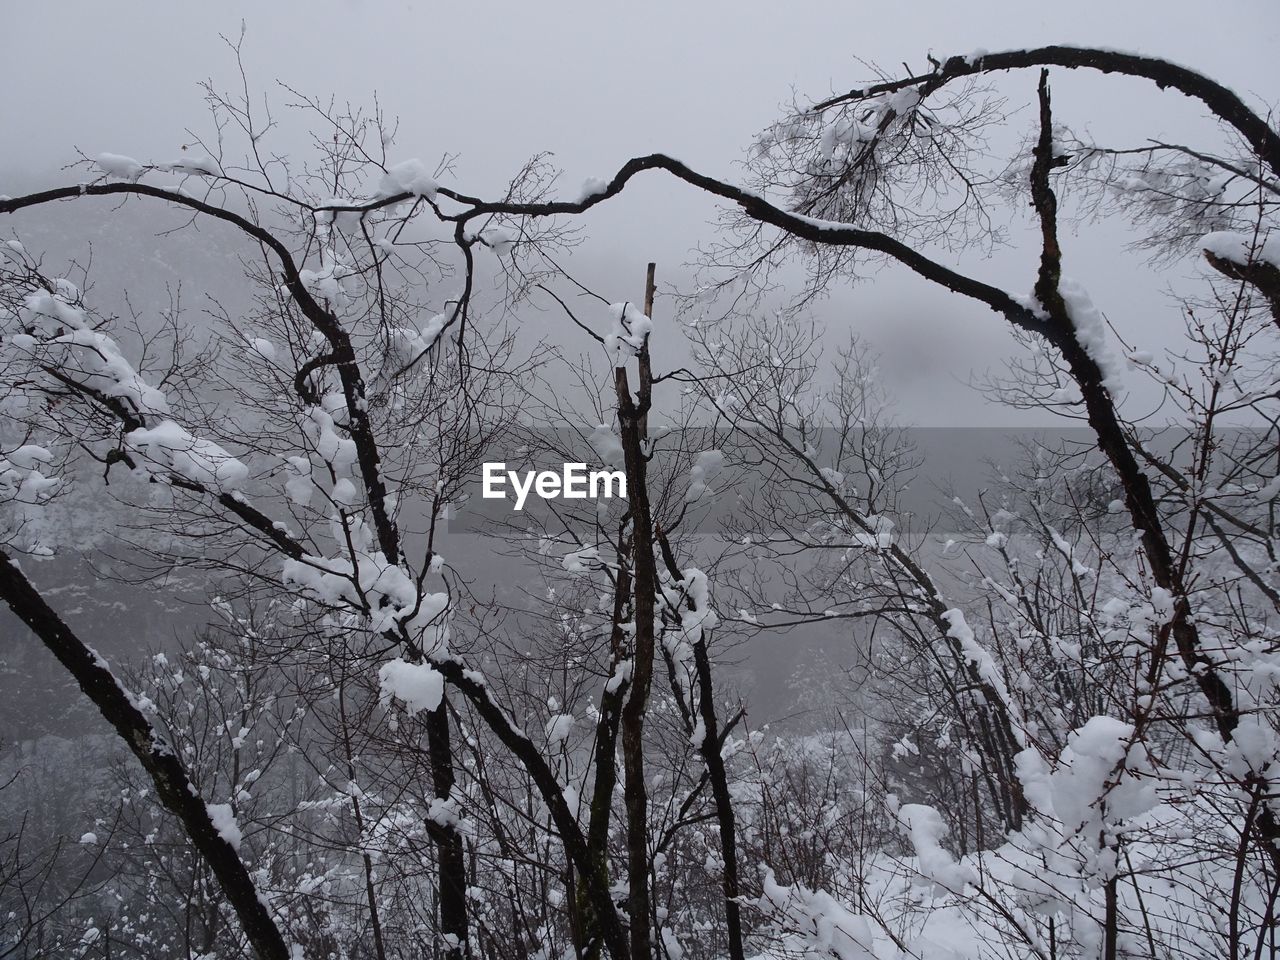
344 492
690 598
579 560
607 445
705 468
1099 782
671 943
97 355
592 187
559 727
263 348
629 332
973 652
498 239
1253 748
1241 248
337 451
445 811
118 166
621 674
224 821
195 458
904 100
419 686
326 283
54 327
1091 332
347 221
879 535
699 735
1068 551
21 479
408 176
195 165
813 923
409 344
298 487
925 828
363 580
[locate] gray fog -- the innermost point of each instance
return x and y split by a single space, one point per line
596 84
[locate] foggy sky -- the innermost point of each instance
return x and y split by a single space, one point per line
598 83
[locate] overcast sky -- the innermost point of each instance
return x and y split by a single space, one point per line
597 83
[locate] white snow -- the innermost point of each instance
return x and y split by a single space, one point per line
925 828
408 176
1091 332
1241 248
366 577
60 336
337 451
172 447
621 674
559 727
344 492
196 165
705 468
299 487
118 166
419 686
498 239
607 445
592 187
690 599
630 330
959 630
22 480
581 561
325 283
1090 791
409 344
264 348
1068 551
813 923
224 821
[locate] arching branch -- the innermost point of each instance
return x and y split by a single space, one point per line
1224 103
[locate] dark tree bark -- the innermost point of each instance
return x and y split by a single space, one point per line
1260 274
1222 102
452 872
1139 498
172 785
587 924
633 424
711 749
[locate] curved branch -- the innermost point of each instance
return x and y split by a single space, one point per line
367 454
1224 103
